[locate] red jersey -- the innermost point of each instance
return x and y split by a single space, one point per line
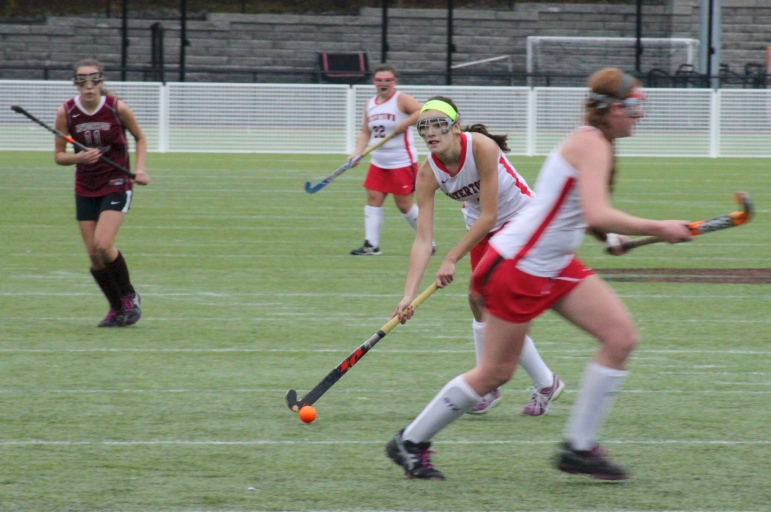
102 129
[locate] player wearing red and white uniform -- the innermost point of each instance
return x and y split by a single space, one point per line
552 228
468 165
464 185
393 166
103 194
383 118
531 266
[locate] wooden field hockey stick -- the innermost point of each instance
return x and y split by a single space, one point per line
312 189
322 387
701 227
72 141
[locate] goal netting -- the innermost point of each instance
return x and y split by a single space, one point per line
581 56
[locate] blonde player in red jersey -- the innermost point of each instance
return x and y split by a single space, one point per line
393 166
531 266
468 165
103 195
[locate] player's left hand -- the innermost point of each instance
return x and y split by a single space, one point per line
614 244
142 178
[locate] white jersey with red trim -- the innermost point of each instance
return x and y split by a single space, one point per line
513 192
382 118
550 229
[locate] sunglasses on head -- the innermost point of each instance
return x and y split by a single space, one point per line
443 124
83 79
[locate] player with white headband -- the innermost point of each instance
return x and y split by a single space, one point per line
531 266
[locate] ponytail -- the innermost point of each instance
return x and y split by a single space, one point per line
499 139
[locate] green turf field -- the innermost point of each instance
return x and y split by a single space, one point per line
248 290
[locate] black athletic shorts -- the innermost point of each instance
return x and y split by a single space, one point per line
89 208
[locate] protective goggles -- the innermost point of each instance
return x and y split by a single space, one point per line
94 78
442 124
634 105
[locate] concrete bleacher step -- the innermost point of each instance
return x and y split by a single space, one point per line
417 38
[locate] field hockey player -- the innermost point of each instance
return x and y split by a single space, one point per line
393 165
469 166
103 194
530 267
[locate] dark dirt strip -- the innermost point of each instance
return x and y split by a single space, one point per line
687 275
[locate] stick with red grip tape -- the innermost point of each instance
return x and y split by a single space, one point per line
322 387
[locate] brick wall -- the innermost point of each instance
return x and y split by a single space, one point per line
267 45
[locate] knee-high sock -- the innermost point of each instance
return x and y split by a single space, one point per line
412 217
109 287
120 272
599 386
373 224
530 361
455 398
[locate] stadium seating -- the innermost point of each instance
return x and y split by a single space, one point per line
343 68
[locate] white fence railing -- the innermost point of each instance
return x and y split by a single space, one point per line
291 118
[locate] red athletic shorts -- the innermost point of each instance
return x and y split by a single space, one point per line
517 297
399 181
478 251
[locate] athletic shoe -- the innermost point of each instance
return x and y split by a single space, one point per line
433 248
136 299
594 463
542 398
131 311
489 401
114 318
366 250
414 458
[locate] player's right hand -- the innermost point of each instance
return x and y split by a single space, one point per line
89 157
404 310
353 160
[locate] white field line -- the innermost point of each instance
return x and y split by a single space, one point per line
231 295
276 442
558 348
349 391
334 318
749 262
301 160
195 185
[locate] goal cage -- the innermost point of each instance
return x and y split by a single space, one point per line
579 57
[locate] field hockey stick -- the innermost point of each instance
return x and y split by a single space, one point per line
72 141
701 227
312 189
322 387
